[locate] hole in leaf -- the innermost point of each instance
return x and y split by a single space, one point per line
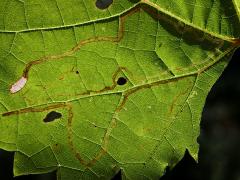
77 72
103 4
121 81
53 115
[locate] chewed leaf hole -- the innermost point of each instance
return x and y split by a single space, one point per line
121 81
103 4
51 116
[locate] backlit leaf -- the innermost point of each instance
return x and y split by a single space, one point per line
91 87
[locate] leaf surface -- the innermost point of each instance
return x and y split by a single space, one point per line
88 91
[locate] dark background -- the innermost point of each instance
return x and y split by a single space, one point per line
219 155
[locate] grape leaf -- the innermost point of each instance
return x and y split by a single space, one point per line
89 88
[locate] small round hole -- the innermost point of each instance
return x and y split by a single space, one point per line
103 4
77 72
121 81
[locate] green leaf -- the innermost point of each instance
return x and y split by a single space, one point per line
88 91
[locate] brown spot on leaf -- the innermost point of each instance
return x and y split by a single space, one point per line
56 148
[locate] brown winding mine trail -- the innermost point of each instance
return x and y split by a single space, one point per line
70 52
124 94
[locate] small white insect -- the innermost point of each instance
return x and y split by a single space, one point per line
18 85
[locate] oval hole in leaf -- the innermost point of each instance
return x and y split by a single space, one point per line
51 116
121 81
103 4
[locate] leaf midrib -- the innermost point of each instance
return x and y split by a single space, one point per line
157 7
